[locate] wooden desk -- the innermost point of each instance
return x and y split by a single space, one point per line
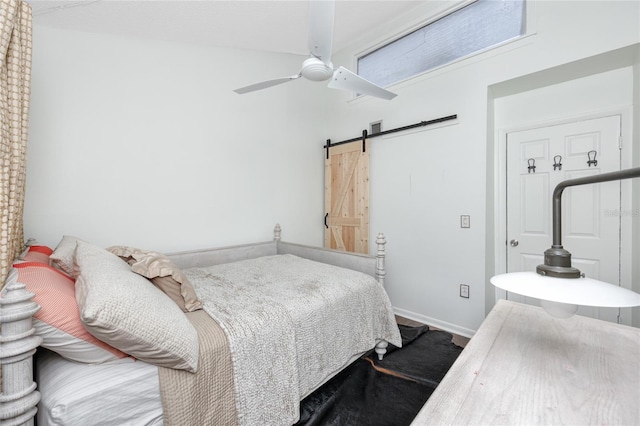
526 367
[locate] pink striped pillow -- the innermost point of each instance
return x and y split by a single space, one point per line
58 320
38 254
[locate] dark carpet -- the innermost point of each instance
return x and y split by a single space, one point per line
388 392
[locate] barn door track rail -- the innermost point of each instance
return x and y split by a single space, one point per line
386 132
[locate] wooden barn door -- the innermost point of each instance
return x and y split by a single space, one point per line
346 197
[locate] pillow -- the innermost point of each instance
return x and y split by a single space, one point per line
58 320
125 253
62 256
163 273
126 311
37 253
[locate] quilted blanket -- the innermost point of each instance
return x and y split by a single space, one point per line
291 323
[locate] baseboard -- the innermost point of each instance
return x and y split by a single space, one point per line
442 325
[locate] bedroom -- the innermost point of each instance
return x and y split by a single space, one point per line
142 142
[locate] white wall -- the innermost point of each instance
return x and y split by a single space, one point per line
423 181
579 98
144 143
636 188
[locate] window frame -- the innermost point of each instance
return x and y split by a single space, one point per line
488 52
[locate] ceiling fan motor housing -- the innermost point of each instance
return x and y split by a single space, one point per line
315 70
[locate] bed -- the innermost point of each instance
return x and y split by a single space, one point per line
236 335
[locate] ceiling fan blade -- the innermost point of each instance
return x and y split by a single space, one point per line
321 17
346 80
265 84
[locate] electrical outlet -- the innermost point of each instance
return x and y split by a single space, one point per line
464 291
465 221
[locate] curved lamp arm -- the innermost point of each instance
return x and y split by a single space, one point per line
557 260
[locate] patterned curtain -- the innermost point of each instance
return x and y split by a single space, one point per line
15 94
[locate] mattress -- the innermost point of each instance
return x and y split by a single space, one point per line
127 388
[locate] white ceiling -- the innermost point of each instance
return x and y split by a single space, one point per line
266 25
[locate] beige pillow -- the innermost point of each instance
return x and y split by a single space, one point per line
163 273
124 310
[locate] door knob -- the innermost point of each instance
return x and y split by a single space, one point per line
514 243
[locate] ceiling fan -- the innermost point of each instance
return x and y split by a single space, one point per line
318 66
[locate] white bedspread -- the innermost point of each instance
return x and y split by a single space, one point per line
291 323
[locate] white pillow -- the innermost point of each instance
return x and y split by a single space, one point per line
126 311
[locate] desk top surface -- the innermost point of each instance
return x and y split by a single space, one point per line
525 367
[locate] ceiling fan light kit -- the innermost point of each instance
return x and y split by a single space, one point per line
315 70
318 66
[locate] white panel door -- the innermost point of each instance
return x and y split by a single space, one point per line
590 225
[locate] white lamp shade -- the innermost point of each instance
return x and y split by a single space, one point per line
573 291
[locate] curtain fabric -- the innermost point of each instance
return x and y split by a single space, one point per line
15 95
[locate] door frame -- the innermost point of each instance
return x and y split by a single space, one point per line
500 195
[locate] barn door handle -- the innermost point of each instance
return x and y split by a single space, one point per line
325 220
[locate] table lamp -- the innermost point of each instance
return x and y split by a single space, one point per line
560 287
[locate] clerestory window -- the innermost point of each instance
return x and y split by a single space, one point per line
473 28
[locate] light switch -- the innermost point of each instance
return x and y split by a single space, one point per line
464 291
465 221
